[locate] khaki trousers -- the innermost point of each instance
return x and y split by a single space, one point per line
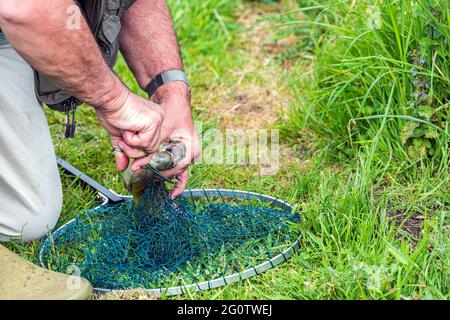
30 187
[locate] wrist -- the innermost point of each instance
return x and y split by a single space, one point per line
174 92
113 97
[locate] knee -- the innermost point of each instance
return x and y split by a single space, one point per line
43 218
34 217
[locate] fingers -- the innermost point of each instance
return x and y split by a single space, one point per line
138 163
138 123
121 161
193 151
143 124
182 166
121 157
134 153
180 185
147 140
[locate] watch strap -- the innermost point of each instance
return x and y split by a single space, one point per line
165 77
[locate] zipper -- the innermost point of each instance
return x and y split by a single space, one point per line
107 54
98 17
70 108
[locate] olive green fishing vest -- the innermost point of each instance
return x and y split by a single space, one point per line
103 18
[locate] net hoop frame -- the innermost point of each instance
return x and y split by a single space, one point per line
200 286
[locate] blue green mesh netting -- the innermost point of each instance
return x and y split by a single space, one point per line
162 243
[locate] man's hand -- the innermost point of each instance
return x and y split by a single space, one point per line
144 22
178 125
134 125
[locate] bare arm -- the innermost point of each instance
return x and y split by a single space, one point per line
149 44
69 57
38 31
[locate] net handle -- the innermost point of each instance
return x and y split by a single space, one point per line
110 196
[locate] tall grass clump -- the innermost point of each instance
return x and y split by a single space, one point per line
381 73
372 90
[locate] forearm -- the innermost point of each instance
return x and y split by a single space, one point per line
69 57
149 44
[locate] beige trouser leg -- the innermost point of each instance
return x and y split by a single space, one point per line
30 187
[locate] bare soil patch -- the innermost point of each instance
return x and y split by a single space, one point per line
259 92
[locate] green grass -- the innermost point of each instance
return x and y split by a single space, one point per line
365 176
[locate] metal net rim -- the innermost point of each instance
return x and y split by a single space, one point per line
200 286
